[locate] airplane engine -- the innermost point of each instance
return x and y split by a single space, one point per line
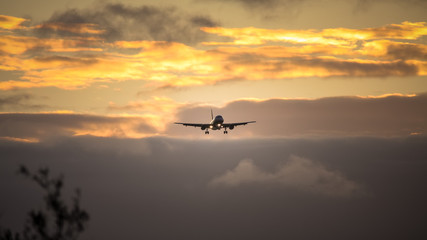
203 128
231 127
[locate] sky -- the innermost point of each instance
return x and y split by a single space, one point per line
338 90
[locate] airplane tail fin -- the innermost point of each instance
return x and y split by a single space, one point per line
211 114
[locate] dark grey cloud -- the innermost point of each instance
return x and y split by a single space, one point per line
266 4
350 68
19 102
334 67
359 4
290 9
48 125
123 22
332 116
159 188
14 99
269 9
406 51
365 5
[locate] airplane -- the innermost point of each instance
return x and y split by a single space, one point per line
216 124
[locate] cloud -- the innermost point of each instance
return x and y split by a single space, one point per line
161 108
51 125
268 9
71 28
118 22
59 51
389 115
290 9
394 50
10 22
365 5
407 51
258 67
156 105
161 183
18 101
153 63
297 173
31 46
331 36
254 54
260 3
378 116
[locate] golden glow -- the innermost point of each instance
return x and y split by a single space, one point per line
259 100
16 139
389 49
20 44
71 27
405 30
10 23
335 36
157 111
119 126
256 36
388 95
156 104
253 54
128 128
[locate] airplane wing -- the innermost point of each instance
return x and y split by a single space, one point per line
205 125
231 125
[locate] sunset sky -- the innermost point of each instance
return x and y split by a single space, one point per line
102 75
151 59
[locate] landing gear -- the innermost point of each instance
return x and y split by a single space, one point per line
225 130
206 132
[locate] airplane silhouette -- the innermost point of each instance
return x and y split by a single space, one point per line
216 124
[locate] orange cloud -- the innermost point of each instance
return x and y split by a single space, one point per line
257 36
405 30
335 36
394 50
10 23
36 126
17 45
78 28
174 64
259 67
154 105
161 110
26 140
388 95
77 62
122 127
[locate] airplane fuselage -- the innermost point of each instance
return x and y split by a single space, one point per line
216 123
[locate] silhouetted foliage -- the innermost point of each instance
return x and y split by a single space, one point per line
58 221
